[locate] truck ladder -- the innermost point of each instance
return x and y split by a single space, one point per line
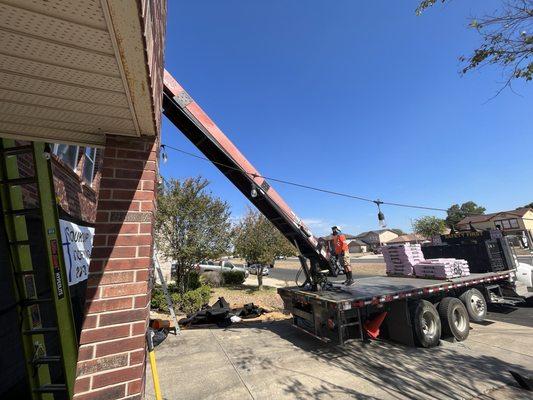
50 376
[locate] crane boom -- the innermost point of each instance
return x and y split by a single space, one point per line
189 118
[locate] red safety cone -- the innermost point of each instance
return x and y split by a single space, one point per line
372 326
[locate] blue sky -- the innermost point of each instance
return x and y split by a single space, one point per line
352 96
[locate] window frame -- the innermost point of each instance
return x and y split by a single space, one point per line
93 160
55 152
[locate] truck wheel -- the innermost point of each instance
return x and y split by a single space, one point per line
475 305
454 318
426 323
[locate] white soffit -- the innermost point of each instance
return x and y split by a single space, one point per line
73 71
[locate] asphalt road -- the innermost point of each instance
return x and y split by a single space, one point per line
289 274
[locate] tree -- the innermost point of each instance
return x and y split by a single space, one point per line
507 40
456 213
429 226
259 242
530 205
191 225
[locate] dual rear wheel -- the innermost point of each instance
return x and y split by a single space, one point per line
451 317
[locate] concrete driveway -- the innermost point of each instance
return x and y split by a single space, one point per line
275 361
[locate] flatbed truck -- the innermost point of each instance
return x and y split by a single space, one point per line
406 306
341 312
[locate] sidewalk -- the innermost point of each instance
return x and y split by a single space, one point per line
275 361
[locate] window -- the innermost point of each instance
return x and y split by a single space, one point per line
88 164
507 223
67 153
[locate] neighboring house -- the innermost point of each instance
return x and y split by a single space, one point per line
517 224
375 239
357 246
410 238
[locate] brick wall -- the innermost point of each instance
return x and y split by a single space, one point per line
74 196
111 361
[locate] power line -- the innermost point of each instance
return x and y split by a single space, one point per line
316 189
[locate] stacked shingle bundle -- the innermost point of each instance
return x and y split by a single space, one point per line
442 268
400 259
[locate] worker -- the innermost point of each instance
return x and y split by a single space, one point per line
341 251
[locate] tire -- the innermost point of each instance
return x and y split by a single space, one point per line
475 304
454 318
426 324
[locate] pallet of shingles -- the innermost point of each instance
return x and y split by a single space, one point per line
442 268
400 259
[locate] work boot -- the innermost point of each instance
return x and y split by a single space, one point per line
349 280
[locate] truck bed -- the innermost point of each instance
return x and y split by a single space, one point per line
381 289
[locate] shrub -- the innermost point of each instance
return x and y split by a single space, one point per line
188 302
193 300
158 300
212 278
233 277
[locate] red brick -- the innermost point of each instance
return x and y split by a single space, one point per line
122 317
99 334
108 305
109 393
92 293
109 152
113 205
120 346
144 195
145 228
110 277
121 229
126 289
85 353
141 276
102 216
147 206
119 183
144 251
102 364
140 301
137 357
128 174
137 263
116 163
139 328
148 185
135 387
104 194
82 384
117 376
130 240
90 322
114 252
99 240
133 155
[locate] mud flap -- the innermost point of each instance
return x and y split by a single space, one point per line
398 323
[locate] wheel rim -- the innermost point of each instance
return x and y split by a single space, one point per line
459 320
477 303
429 326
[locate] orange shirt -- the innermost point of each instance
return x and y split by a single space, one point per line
340 244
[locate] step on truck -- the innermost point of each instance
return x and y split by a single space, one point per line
407 310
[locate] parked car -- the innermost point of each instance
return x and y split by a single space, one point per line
221 266
255 268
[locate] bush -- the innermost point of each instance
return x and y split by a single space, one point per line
193 300
193 280
212 278
158 300
233 277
